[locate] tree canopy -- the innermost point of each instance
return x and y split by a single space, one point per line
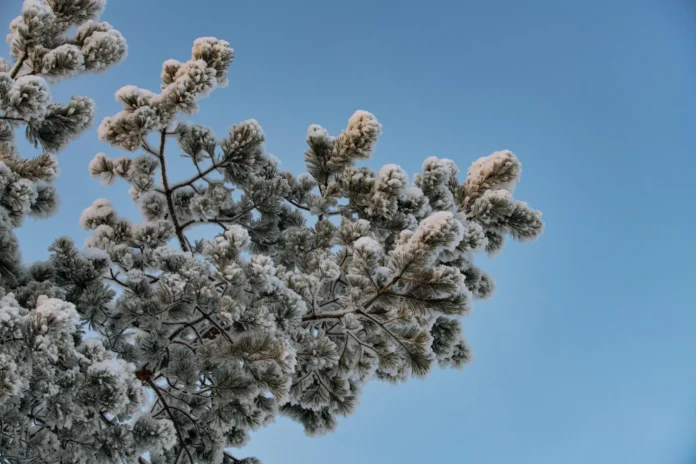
145 345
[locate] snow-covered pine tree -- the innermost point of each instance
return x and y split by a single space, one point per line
42 51
314 285
56 389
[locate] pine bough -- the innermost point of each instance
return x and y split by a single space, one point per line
314 284
56 388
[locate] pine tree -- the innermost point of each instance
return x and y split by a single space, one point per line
56 388
314 285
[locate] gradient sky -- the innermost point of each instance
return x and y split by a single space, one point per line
586 352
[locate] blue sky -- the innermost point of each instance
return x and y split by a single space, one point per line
586 352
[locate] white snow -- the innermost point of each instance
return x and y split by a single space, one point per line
368 245
238 236
28 98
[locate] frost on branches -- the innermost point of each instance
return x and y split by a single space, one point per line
43 52
57 389
314 285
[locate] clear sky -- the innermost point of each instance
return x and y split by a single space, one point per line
586 352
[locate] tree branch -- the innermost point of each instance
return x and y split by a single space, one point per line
185 326
370 302
306 208
154 387
167 191
8 118
199 176
18 66
222 222
217 326
297 205
229 456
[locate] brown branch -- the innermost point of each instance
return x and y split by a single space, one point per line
297 204
114 278
8 118
167 191
193 421
185 326
200 173
335 300
105 419
18 66
182 343
234 460
149 149
199 176
395 337
217 326
182 444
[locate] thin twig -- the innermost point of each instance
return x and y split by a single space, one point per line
8 118
199 176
